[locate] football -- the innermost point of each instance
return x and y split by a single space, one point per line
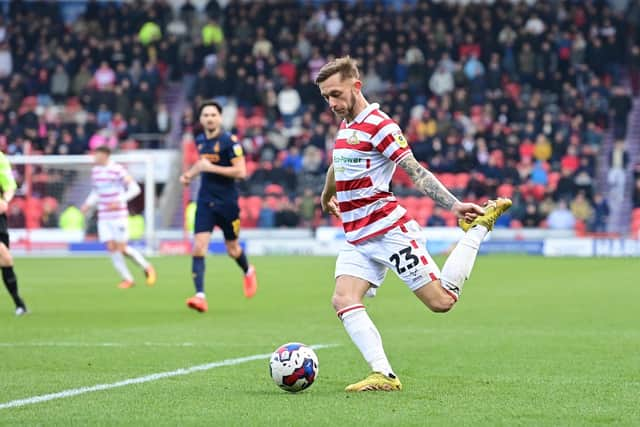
293 367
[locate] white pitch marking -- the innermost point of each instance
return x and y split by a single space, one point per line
139 380
97 344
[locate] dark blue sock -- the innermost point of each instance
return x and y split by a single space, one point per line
242 262
197 270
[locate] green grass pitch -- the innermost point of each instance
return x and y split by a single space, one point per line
533 341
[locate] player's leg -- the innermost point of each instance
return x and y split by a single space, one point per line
440 295
112 231
230 226
137 257
355 274
116 249
200 247
8 275
204 223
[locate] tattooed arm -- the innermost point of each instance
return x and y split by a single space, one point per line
426 182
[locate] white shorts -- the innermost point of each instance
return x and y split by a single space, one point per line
402 249
113 229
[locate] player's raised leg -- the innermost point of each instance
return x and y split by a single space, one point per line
116 249
200 246
138 258
9 277
440 295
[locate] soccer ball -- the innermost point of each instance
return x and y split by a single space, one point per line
293 367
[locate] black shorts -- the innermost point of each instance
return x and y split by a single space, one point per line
4 230
225 216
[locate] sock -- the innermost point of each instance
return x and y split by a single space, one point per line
11 283
242 262
366 337
197 270
457 268
136 256
121 266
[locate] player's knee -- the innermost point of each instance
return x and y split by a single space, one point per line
6 260
234 251
435 298
199 249
441 304
340 301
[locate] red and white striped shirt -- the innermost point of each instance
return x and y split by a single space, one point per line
109 183
364 160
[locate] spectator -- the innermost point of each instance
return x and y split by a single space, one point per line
581 208
307 207
561 217
620 105
212 34
441 81
6 61
104 76
286 215
81 80
531 217
289 104
333 25
59 84
15 217
436 219
163 120
616 178
600 214
49 213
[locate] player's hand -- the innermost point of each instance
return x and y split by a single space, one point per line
330 205
4 206
184 179
84 209
202 164
467 211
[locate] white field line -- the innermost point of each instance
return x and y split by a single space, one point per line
139 380
100 344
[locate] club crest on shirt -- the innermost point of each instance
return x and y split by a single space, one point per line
353 139
400 139
216 148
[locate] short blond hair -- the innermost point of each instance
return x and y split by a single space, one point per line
346 66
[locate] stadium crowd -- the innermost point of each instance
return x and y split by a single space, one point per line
511 100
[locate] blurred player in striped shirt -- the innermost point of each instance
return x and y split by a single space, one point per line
112 188
379 232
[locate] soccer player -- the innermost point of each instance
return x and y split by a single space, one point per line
379 233
112 188
8 190
221 163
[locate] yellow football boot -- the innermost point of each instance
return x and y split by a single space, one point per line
376 382
492 210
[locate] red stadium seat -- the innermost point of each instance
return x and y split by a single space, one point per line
505 190
447 179
254 204
462 180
